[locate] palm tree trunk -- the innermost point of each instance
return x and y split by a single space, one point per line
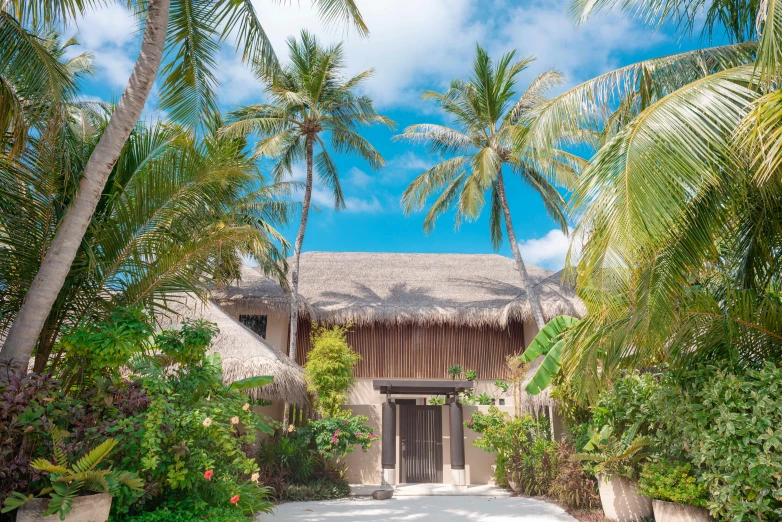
38 301
532 292
305 210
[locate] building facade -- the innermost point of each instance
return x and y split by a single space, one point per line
411 317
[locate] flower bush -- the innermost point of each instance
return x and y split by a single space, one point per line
337 437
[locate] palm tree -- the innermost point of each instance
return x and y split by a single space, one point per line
307 98
680 205
489 125
188 32
174 217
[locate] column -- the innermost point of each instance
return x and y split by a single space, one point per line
389 443
458 477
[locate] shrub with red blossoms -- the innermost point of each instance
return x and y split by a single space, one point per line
338 437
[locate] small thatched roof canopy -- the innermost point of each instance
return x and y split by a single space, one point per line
364 288
245 354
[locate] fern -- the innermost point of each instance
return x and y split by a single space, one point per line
68 482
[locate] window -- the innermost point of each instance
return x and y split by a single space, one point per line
502 402
256 323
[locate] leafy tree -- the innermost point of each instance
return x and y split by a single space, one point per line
307 98
329 369
175 216
189 35
487 136
680 204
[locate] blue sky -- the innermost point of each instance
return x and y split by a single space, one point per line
413 45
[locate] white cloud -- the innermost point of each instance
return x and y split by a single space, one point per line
111 33
548 251
543 29
411 41
359 178
324 198
364 206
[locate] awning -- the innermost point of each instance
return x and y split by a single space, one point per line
420 386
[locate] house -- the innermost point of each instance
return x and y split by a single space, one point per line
412 316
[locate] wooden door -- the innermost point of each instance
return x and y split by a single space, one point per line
421 430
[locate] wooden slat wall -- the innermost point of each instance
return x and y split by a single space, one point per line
426 352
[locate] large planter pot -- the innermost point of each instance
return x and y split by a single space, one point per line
673 512
89 508
621 500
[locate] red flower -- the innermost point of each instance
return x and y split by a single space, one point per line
234 499
208 474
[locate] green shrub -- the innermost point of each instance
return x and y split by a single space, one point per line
323 489
188 515
673 482
329 369
525 453
731 425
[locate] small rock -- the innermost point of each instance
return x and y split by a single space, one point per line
383 494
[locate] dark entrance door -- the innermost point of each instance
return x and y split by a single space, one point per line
421 430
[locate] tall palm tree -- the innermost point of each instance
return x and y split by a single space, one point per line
680 206
307 99
174 217
489 123
188 32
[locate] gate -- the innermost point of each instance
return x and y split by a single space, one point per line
421 434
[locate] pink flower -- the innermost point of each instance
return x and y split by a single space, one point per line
359 434
234 499
344 422
371 435
208 474
336 433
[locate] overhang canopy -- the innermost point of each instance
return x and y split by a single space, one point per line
420 387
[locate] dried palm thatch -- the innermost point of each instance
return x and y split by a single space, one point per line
244 353
389 288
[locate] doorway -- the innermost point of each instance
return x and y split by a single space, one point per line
421 443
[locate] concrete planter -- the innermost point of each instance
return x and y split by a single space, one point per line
621 501
673 512
89 508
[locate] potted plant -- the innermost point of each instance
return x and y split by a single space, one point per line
68 484
676 494
614 461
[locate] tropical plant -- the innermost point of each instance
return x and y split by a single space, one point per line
672 482
329 368
68 481
455 371
572 485
680 228
549 342
611 455
196 429
526 455
470 375
436 400
307 98
488 135
174 218
189 36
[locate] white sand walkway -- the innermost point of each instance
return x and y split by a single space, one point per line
425 509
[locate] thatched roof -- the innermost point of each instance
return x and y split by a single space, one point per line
363 288
245 354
